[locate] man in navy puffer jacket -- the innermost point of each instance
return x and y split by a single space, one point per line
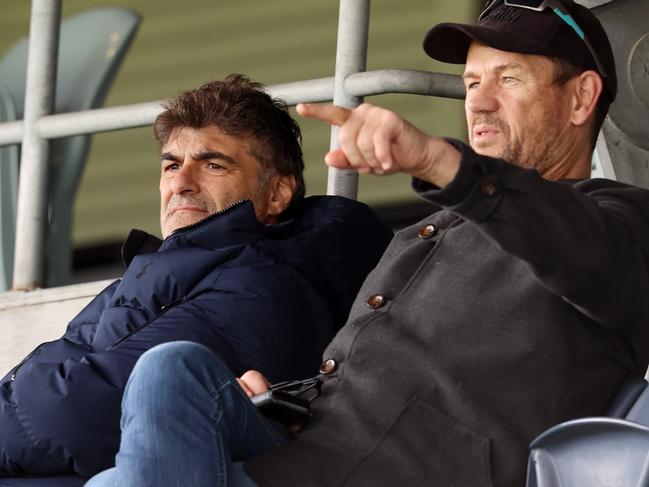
248 267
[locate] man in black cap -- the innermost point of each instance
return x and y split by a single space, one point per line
521 304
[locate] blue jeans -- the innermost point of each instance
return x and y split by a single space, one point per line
186 422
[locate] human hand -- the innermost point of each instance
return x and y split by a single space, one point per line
253 382
376 140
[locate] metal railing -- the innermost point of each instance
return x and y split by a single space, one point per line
346 88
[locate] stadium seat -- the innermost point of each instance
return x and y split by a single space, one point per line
625 130
597 451
92 47
590 451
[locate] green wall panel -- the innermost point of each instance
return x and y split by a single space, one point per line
183 44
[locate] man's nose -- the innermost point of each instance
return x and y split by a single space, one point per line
482 98
184 180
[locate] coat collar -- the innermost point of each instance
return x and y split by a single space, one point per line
236 224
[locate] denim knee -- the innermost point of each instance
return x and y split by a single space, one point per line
172 356
174 361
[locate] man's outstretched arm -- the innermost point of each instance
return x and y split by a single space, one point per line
586 243
378 141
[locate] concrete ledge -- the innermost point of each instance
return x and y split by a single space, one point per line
30 318
17 299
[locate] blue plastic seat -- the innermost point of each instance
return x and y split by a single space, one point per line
606 451
91 48
591 452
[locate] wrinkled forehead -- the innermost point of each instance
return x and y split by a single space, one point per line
210 135
484 59
244 147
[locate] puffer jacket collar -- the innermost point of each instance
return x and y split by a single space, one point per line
234 225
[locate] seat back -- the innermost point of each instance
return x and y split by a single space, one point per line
597 451
590 451
91 48
626 129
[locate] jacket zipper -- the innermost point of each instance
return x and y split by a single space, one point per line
177 231
206 219
14 371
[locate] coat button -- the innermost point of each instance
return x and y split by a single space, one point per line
427 231
328 366
376 301
488 188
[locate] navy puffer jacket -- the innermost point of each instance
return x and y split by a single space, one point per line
266 297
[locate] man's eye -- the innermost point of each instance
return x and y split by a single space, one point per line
214 165
472 85
508 79
170 167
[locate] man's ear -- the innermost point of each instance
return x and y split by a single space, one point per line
587 90
280 193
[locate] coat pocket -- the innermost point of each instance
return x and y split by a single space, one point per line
425 447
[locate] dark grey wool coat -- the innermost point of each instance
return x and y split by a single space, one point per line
523 304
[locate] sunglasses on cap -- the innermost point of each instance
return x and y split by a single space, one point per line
559 9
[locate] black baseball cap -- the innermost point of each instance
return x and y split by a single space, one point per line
516 29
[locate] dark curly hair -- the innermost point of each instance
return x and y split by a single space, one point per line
242 108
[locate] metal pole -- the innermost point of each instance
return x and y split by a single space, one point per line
405 81
143 114
39 101
351 57
11 133
310 91
361 84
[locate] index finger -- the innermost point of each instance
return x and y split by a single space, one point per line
331 114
